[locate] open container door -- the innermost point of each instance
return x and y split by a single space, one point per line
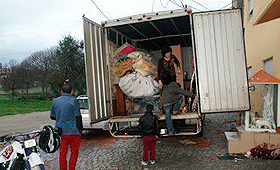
96 72
220 61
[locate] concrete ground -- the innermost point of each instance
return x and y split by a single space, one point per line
24 122
101 151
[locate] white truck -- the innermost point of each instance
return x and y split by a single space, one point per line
213 38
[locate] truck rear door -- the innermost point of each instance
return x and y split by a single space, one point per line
96 71
220 61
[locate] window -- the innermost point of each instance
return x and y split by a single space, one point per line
251 8
249 72
268 65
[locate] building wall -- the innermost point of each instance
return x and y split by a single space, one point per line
262 41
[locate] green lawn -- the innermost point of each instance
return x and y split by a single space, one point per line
35 90
10 106
32 90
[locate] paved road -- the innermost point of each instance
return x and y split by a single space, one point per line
100 151
24 122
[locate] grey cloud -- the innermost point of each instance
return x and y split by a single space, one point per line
31 25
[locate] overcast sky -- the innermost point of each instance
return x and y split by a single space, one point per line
27 26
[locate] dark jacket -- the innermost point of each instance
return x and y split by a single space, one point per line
171 92
166 71
149 125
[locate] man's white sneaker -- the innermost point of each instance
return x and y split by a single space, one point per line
144 163
153 162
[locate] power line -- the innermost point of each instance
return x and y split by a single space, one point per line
165 5
195 8
175 3
201 5
153 5
182 3
228 4
99 10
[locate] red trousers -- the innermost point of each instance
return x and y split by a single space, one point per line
149 143
74 142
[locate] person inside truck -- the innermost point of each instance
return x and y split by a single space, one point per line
171 101
149 131
167 67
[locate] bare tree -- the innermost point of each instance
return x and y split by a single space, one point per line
9 78
41 64
26 76
50 67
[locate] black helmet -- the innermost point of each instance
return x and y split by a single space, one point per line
49 140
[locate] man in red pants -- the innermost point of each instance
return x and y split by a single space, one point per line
149 130
65 110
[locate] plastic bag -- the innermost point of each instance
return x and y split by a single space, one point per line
136 86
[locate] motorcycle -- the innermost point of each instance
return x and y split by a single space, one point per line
22 152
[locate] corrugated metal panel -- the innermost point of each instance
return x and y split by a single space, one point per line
96 71
220 58
268 66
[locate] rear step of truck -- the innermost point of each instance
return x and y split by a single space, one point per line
127 126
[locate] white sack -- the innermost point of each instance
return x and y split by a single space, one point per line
136 86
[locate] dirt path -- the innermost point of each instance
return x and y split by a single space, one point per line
24 122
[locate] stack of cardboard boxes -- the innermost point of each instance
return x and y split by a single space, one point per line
243 141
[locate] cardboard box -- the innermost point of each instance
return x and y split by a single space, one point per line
274 139
233 142
245 135
246 145
247 142
262 137
233 146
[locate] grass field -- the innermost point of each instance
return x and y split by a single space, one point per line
31 90
10 106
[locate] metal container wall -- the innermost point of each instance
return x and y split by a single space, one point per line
220 60
96 71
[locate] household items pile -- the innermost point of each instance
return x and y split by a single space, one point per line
265 151
136 72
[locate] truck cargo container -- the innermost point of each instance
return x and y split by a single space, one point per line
212 39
